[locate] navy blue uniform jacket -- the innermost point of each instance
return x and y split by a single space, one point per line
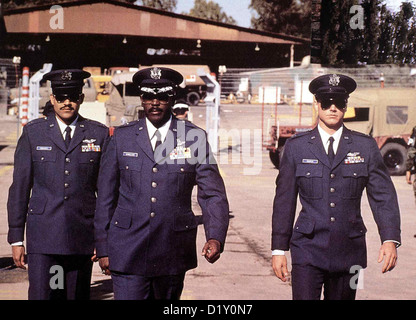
144 221
329 232
54 189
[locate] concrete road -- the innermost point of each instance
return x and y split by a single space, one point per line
244 269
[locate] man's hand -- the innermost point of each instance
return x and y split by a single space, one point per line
408 177
211 250
388 251
279 264
18 253
104 265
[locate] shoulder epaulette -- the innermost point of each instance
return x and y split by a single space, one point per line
300 134
37 121
97 123
357 133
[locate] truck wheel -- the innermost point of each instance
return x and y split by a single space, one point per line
394 157
193 98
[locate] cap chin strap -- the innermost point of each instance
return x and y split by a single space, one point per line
156 90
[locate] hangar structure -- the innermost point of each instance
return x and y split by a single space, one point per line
110 33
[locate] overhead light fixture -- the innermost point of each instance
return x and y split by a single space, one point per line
47 38
198 43
124 40
257 48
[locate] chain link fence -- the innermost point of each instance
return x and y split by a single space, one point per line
244 85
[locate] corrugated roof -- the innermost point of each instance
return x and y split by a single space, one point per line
129 19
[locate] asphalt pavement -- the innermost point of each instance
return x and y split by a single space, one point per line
244 270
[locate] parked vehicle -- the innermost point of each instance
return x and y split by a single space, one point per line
387 114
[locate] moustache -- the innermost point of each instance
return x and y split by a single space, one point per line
155 109
67 106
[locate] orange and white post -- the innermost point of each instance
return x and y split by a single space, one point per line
23 112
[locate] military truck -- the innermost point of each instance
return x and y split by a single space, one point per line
386 114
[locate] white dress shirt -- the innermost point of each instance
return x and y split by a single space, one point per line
325 138
62 126
151 130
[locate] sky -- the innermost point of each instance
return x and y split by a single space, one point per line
238 9
392 4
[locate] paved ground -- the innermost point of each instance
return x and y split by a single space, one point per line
243 271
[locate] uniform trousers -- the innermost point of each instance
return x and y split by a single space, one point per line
308 281
136 287
59 277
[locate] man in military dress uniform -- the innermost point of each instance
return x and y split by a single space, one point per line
329 167
53 193
145 227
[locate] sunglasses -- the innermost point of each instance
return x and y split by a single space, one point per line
61 98
163 98
339 103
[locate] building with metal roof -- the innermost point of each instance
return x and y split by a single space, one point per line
108 33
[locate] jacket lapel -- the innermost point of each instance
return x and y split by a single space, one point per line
317 148
79 134
55 134
343 147
170 143
143 140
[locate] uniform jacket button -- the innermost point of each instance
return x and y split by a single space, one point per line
152 214
155 170
332 205
153 199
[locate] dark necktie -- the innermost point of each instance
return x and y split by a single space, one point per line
331 154
158 139
68 136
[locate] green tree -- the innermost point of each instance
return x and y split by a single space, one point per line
385 45
210 10
403 22
291 17
165 5
372 12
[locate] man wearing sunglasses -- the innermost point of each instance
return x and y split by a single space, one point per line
329 167
145 228
53 193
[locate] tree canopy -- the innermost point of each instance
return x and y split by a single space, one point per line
290 17
386 36
210 10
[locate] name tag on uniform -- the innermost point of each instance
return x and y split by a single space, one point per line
130 154
91 147
43 148
310 161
